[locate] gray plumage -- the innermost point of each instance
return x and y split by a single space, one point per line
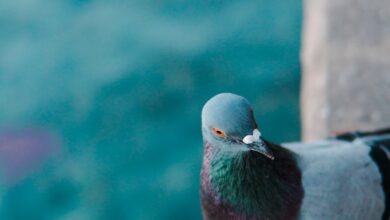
340 180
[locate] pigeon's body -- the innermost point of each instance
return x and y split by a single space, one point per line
247 185
255 179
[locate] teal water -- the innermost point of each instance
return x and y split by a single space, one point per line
100 101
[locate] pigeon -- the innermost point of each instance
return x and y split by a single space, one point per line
246 177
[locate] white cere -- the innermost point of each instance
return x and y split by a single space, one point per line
249 139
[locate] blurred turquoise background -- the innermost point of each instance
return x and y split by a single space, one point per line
100 101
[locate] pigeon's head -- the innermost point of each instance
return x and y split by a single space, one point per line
228 123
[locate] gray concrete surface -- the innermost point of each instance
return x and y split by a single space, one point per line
346 66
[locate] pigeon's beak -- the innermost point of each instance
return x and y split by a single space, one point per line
261 147
256 143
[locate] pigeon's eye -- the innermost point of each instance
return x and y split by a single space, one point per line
218 132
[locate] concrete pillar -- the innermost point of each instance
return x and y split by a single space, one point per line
346 66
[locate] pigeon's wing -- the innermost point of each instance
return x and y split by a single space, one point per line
379 141
342 179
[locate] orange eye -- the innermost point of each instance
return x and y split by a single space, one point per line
218 132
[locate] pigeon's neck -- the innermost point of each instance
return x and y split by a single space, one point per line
250 184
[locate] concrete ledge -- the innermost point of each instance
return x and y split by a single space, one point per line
346 66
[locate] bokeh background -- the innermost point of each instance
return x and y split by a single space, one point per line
100 101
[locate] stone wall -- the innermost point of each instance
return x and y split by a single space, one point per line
346 66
